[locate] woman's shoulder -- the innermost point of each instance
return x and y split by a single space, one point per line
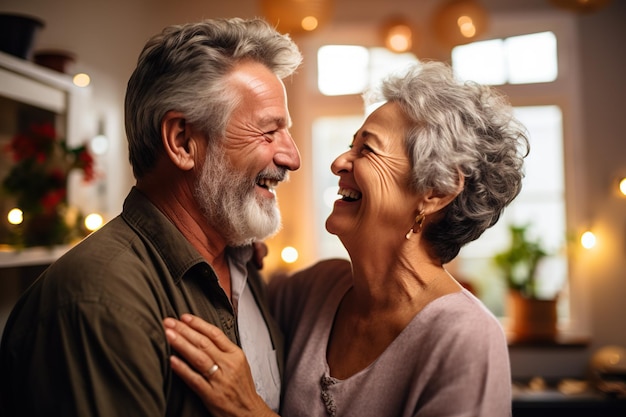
461 316
326 268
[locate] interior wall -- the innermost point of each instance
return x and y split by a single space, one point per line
107 37
603 59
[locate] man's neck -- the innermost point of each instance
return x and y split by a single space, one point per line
176 202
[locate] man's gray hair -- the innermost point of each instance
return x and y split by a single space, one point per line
183 68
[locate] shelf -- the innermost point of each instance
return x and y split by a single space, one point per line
562 340
37 72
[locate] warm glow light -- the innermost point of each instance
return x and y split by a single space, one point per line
81 80
466 26
15 216
397 34
309 23
93 221
401 40
588 240
622 186
99 144
289 254
297 16
399 43
457 22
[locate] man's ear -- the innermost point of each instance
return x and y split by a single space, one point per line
178 142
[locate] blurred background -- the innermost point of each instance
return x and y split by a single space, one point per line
561 62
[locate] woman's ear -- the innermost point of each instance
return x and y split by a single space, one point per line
178 142
433 202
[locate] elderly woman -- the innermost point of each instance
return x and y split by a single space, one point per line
390 333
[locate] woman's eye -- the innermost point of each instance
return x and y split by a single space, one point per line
362 148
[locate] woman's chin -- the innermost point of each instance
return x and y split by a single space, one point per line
336 226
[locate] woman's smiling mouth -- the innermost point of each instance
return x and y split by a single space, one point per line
348 194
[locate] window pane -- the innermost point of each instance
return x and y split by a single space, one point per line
345 69
515 60
483 62
342 69
544 165
532 58
331 137
383 62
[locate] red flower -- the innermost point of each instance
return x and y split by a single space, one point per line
37 181
37 144
45 130
85 161
42 164
52 199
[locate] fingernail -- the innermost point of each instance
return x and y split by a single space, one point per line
170 334
169 322
186 318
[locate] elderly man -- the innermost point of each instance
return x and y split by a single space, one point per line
208 130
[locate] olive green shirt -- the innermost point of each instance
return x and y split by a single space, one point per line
87 338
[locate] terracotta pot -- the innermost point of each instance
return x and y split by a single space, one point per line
532 319
56 60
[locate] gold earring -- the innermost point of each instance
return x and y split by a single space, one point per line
417 226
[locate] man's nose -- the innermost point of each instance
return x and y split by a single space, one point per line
287 153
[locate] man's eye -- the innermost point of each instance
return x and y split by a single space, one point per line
270 134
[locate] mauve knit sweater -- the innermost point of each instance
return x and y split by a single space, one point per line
450 360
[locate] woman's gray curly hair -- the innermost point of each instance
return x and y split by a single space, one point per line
458 130
183 68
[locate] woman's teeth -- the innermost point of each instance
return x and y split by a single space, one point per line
349 195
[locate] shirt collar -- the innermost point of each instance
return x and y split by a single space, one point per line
178 254
148 221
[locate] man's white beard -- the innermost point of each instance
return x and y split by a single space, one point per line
228 201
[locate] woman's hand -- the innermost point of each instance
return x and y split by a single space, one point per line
215 368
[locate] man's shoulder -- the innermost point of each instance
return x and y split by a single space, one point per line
103 273
114 247
108 264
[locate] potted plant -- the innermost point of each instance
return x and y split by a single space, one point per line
37 185
532 318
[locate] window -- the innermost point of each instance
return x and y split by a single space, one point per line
520 59
349 69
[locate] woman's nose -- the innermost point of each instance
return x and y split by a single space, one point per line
341 163
287 154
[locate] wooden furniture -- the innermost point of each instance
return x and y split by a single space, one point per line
552 403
